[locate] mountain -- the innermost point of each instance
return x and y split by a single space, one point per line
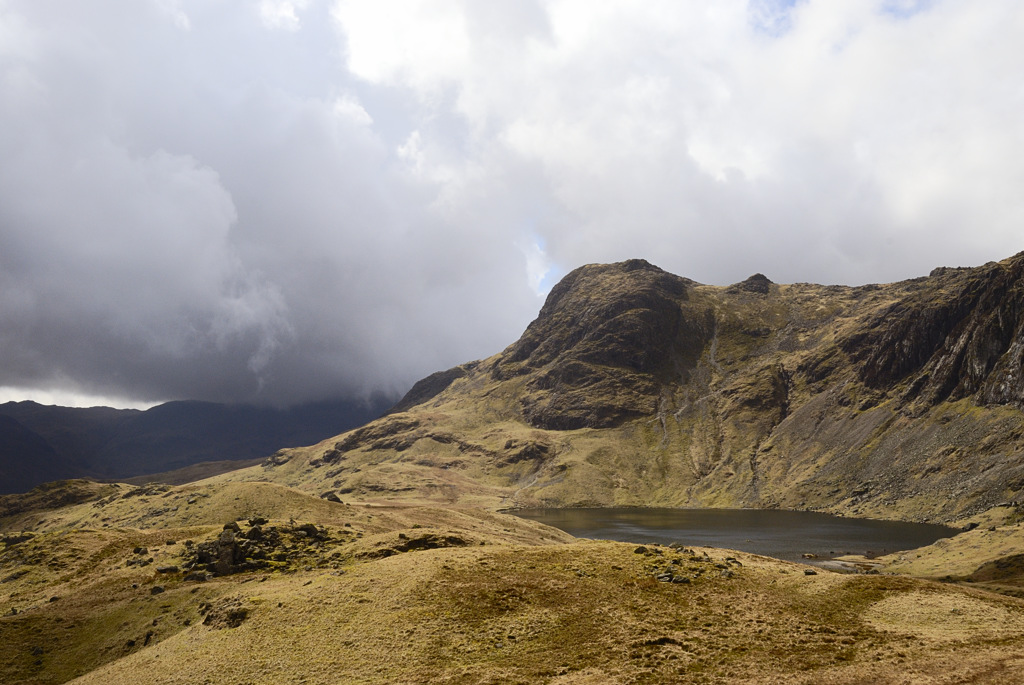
634 386
376 555
37 461
42 443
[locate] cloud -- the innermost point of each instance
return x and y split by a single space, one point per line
282 14
699 129
309 198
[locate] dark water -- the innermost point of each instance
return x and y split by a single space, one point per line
780 534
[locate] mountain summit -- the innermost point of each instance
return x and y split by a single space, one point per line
637 387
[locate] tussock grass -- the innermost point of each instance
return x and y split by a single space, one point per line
506 601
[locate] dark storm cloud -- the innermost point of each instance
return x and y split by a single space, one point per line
182 216
285 200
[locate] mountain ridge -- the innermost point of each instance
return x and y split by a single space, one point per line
40 443
634 386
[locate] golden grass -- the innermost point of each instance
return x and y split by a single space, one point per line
512 602
585 612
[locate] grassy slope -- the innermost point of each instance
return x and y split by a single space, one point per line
514 601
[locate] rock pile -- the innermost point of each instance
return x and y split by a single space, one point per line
260 546
679 570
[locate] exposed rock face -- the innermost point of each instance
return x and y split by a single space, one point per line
606 341
410 544
963 336
235 551
758 283
637 387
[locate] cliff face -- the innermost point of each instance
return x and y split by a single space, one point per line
607 340
961 337
637 387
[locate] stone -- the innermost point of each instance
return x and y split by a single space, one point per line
310 530
156 589
166 569
11 540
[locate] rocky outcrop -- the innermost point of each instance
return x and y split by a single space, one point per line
758 283
258 547
406 543
606 341
430 387
960 335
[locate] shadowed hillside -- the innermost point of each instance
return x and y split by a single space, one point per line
41 443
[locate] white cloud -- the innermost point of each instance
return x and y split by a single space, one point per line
282 14
350 108
404 41
899 114
172 9
63 397
537 266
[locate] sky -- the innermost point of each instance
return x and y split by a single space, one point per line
279 201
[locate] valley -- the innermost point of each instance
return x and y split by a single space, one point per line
380 555
297 588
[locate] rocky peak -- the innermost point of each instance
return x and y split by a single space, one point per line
607 337
758 283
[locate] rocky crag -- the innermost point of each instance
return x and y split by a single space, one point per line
637 387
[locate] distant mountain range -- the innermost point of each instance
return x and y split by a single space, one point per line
40 443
